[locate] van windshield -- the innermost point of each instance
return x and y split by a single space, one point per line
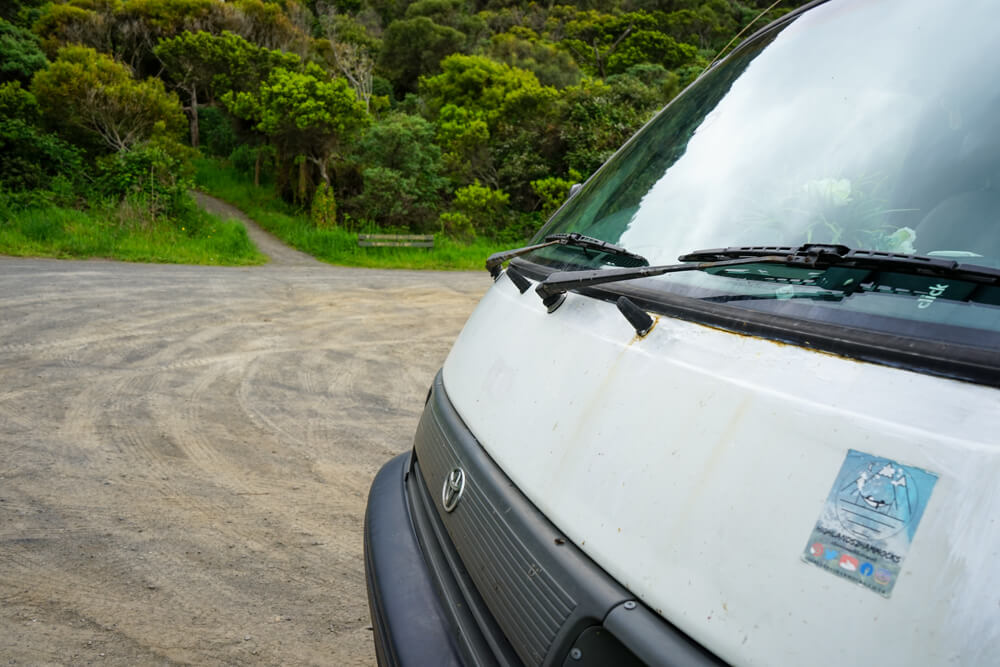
870 124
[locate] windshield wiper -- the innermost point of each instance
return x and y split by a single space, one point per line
815 256
616 254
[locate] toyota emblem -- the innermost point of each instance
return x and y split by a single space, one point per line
451 492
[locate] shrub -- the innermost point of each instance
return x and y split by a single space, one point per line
324 207
457 226
216 131
487 208
148 178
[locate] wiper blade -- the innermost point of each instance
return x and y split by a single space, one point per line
553 289
822 256
810 256
616 254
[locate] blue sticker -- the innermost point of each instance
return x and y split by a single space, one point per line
869 520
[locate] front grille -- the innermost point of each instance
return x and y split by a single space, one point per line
526 601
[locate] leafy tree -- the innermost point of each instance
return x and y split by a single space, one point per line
20 53
522 48
598 118
191 60
553 191
268 25
485 207
649 46
29 158
415 47
92 95
454 14
403 184
307 115
64 24
218 136
21 13
465 136
593 38
18 104
519 115
130 29
480 85
352 52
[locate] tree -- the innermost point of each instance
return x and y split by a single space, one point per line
192 61
480 85
90 93
598 117
401 171
455 14
593 37
29 157
242 68
485 207
267 25
307 115
20 54
415 47
649 46
522 48
519 115
352 52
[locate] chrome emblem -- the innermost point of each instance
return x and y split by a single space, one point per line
451 492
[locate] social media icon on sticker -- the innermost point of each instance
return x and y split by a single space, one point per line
866 569
830 554
849 563
816 549
883 576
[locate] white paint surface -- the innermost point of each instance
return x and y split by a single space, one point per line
693 464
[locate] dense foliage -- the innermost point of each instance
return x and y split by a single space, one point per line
468 117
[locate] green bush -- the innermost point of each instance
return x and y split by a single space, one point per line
324 207
244 160
216 131
457 226
485 207
29 157
148 178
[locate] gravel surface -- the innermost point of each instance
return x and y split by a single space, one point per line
185 452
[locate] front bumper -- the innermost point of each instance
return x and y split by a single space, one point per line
400 593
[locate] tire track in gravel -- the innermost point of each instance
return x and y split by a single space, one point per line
185 453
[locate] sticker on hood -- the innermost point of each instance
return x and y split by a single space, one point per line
869 519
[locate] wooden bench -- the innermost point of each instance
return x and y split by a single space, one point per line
396 240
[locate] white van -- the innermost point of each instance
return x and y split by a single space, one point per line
739 402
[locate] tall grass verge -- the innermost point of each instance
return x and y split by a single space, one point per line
115 233
335 245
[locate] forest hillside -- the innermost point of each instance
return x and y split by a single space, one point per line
468 118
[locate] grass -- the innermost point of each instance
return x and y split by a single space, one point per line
52 231
335 245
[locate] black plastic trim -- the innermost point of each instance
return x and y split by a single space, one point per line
409 625
949 360
639 629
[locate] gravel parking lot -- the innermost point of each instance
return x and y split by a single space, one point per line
185 453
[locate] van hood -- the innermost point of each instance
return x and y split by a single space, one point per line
695 466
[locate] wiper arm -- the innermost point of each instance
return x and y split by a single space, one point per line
617 255
552 290
823 256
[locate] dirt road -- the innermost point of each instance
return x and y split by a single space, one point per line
185 453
